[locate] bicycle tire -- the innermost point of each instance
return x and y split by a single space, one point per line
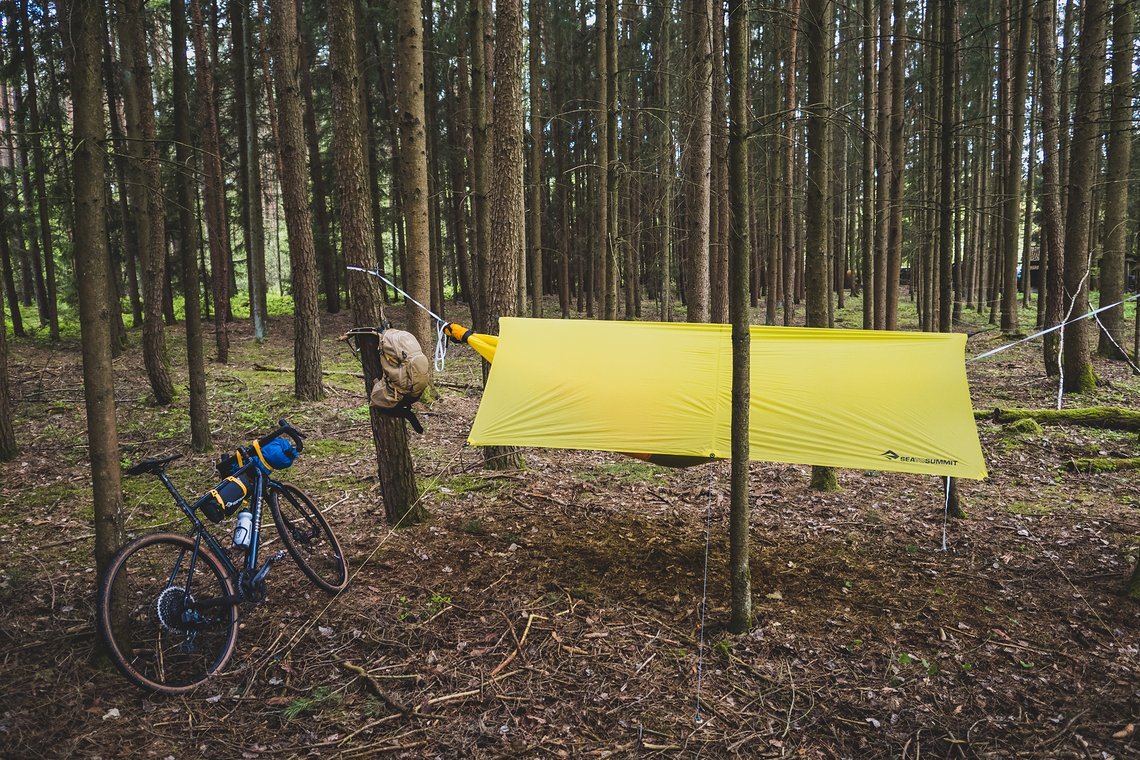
142 614
308 537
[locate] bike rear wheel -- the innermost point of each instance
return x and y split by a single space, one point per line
167 613
308 537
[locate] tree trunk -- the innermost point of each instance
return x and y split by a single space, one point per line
787 233
150 214
1012 200
536 186
413 163
741 618
298 219
326 254
601 249
1112 340
507 206
718 181
8 448
1079 374
216 225
481 169
818 33
897 163
83 33
35 135
698 158
870 119
666 150
389 434
610 232
185 181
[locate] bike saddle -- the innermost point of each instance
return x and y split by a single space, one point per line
147 466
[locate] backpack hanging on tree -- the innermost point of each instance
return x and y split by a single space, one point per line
404 373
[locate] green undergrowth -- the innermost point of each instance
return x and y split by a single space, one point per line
629 472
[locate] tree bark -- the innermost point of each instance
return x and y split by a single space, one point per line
698 158
216 225
602 242
1051 240
1079 374
536 187
666 151
481 168
83 32
389 434
738 263
1112 340
508 215
897 163
8 448
326 254
788 235
413 163
291 151
184 181
818 34
35 136
718 180
150 209
1012 200
867 241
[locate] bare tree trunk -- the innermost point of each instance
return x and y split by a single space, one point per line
1079 374
867 241
8 448
741 574
326 254
83 32
291 151
389 434
413 162
148 192
481 169
718 207
507 206
35 135
883 168
698 158
666 150
1012 200
536 187
897 163
184 182
818 34
1120 137
216 226
788 235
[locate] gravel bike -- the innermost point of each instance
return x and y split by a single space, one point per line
167 606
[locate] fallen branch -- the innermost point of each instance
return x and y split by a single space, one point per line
1103 464
530 619
1104 417
289 370
374 687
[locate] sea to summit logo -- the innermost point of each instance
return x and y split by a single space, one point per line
894 456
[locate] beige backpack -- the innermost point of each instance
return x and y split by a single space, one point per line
406 373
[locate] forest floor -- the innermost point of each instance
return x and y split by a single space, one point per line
553 612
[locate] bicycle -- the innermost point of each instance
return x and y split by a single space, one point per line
167 606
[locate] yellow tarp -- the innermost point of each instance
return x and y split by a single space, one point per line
862 399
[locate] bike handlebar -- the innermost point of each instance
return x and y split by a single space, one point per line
285 429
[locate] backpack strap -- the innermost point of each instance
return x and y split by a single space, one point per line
404 409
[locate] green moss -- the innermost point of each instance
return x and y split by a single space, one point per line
1103 464
1027 508
823 479
1026 426
332 447
1105 417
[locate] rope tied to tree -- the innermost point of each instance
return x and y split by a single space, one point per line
440 352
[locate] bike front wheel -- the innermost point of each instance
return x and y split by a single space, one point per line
308 537
167 613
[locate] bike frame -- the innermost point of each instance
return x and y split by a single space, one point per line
200 531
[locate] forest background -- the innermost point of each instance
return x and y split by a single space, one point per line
945 165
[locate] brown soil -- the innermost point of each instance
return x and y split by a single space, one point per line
554 612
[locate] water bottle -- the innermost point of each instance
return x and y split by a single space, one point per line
243 529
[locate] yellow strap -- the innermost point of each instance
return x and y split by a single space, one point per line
218 498
257 449
241 484
240 460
